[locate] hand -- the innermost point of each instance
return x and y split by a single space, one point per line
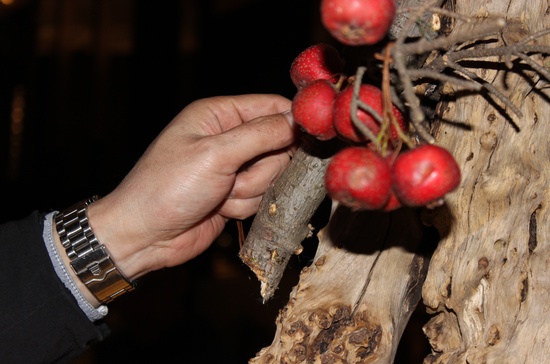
212 163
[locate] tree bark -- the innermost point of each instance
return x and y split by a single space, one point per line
488 283
282 221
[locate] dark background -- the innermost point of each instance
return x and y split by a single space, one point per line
85 86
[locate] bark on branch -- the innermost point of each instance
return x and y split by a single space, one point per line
282 221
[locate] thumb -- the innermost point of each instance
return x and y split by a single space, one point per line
256 137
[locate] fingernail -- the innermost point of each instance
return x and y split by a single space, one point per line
289 117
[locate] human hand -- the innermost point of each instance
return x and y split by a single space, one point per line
212 163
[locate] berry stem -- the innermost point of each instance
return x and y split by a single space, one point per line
357 103
389 117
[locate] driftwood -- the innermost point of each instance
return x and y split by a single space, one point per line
488 285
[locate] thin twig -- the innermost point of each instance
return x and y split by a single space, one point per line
389 117
357 103
492 89
476 31
412 21
417 116
534 36
438 76
544 72
439 64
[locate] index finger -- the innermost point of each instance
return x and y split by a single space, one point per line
215 115
254 105
261 135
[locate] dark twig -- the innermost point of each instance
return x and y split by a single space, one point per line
438 76
357 103
439 63
411 100
534 36
471 32
492 89
389 117
477 30
544 72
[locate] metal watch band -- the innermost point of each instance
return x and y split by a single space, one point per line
90 259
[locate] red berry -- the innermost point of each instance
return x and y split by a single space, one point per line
319 61
359 178
312 109
358 22
372 96
393 203
424 175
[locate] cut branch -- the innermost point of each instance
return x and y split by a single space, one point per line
282 221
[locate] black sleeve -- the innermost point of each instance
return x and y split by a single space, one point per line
40 320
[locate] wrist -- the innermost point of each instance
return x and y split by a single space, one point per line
118 236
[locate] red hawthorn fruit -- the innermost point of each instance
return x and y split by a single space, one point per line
393 202
359 178
358 22
372 96
312 109
424 175
319 61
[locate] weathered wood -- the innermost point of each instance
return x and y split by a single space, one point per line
354 301
488 284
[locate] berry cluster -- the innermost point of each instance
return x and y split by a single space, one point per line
364 175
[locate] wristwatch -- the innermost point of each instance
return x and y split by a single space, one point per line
90 259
